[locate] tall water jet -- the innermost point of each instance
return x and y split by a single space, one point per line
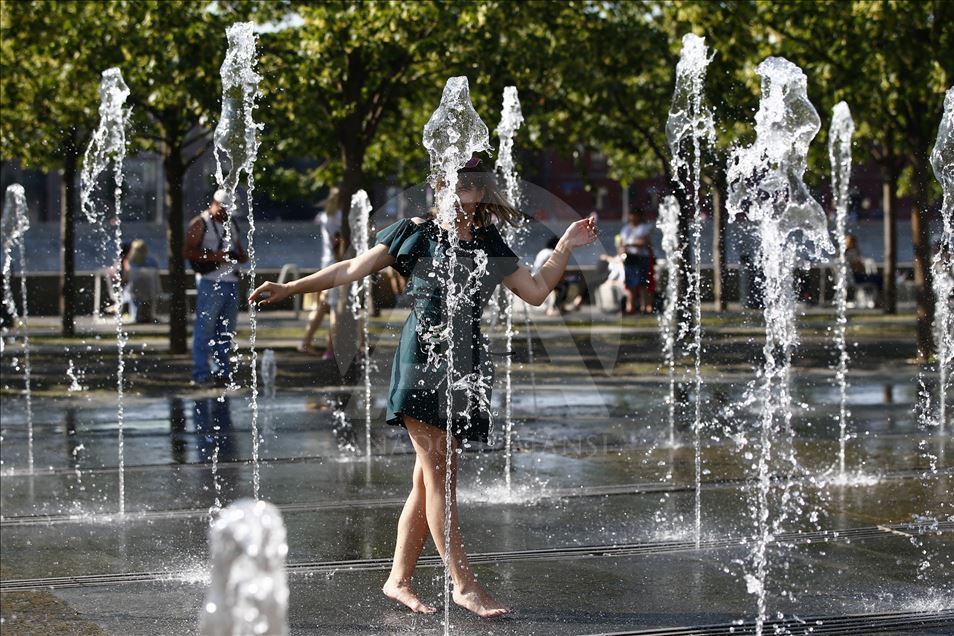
839 154
765 183
688 126
359 297
668 223
16 222
942 160
269 371
511 119
236 148
248 593
452 135
108 145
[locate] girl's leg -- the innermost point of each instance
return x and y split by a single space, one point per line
314 321
411 535
430 444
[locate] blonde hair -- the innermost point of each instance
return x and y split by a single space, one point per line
138 251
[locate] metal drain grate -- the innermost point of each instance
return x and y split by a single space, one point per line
892 622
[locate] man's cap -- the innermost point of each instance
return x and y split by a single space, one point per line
222 198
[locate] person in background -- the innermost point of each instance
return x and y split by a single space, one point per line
141 273
638 263
562 287
856 263
217 289
330 232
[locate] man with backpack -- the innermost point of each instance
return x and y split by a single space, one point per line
215 258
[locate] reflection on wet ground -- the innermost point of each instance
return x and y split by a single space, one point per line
594 536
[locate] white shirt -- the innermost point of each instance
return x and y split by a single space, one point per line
328 226
225 272
542 257
631 233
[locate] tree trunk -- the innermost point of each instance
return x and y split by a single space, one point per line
921 238
68 244
684 313
889 202
175 174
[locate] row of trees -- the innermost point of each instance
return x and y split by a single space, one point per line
352 83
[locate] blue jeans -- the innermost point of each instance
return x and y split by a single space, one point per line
216 314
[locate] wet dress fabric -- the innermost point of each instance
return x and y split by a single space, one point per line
418 381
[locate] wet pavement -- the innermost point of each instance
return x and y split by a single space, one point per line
595 535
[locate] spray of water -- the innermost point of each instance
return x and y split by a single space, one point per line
269 371
839 154
510 121
688 126
668 223
248 593
765 183
236 148
108 145
942 160
16 222
452 135
359 298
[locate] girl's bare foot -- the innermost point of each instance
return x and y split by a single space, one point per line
402 593
479 601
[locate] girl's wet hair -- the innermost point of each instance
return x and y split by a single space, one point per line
477 173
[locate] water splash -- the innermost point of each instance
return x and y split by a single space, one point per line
236 149
839 154
248 593
108 145
511 119
452 135
16 222
765 183
359 297
690 124
75 376
269 373
668 223
942 160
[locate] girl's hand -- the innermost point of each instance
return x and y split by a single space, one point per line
270 293
583 232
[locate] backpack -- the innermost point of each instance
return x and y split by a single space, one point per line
206 267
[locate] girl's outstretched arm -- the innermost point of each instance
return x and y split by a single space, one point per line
534 288
340 273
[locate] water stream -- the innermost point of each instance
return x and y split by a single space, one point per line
236 148
16 222
108 146
765 184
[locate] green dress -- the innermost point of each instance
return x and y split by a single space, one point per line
419 381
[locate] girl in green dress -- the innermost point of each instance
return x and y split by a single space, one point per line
417 395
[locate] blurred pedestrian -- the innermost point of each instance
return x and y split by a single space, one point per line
142 287
638 263
217 289
329 228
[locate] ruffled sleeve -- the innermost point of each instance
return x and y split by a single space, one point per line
503 259
403 240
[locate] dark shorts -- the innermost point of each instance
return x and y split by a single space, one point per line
636 270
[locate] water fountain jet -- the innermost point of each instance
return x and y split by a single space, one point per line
942 161
765 183
690 123
108 145
839 154
359 298
452 135
236 149
16 222
511 119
